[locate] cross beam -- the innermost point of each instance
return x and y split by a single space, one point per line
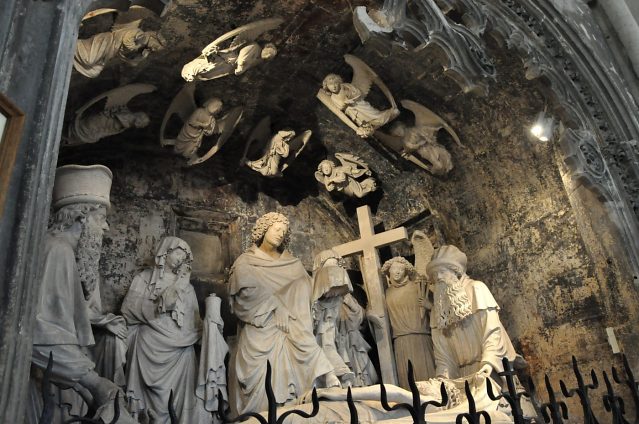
370 265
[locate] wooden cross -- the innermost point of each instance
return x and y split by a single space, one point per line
367 247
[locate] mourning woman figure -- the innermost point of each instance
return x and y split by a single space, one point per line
164 322
271 296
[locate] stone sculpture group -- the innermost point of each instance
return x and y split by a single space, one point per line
307 327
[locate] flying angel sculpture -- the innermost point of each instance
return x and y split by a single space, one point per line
198 123
270 154
419 142
352 177
242 54
91 125
347 100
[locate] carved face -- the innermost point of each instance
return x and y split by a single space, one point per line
397 272
269 51
275 234
326 167
175 258
213 106
444 275
96 222
332 83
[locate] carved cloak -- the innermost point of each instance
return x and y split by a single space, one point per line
260 284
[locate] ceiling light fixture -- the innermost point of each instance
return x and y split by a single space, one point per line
543 127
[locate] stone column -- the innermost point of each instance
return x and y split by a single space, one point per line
624 15
37 41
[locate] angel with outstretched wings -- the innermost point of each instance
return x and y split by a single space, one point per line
273 153
126 41
198 123
90 126
242 54
347 100
352 177
419 142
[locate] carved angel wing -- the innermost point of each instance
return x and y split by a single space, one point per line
364 77
226 125
245 34
355 166
115 98
393 142
257 143
423 249
426 117
296 146
182 105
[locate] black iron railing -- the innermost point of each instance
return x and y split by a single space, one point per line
555 410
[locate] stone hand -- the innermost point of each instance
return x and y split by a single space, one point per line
281 318
376 320
485 370
117 327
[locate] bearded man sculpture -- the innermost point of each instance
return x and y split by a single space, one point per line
468 336
270 293
69 302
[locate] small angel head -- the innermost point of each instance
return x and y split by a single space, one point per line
398 129
141 120
332 83
213 105
326 167
269 51
286 135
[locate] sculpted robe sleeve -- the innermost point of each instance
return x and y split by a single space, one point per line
251 303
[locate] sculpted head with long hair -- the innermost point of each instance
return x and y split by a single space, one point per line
280 234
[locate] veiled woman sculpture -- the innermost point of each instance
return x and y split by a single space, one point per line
271 296
164 322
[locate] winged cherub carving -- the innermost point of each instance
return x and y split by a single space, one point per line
242 54
273 153
351 177
126 41
113 119
198 122
421 139
347 100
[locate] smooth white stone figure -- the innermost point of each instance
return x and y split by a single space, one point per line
198 122
69 302
270 153
113 119
407 303
127 42
164 324
352 177
271 296
212 374
421 139
351 344
468 336
242 54
347 100
330 284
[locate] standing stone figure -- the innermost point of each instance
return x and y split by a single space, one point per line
164 323
351 344
406 302
330 284
270 293
468 336
69 300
